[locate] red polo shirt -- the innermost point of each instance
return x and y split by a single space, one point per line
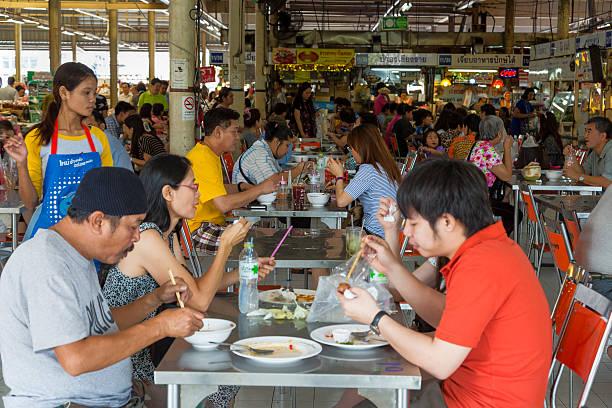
496 306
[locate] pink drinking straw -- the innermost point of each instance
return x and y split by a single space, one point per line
281 241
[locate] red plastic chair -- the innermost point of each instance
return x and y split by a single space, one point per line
558 249
228 165
189 250
316 145
573 229
583 340
534 229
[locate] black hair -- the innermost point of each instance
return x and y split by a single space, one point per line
472 121
157 109
69 75
159 171
222 94
505 110
386 107
135 122
97 115
19 88
428 132
347 115
219 117
145 111
247 103
419 116
602 124
445 186
6 125
488 109
449 106
155 81
10 81
280 82
80 216
141 87
454 120
462 111
280 108
342 103
166 83
298 97
394 106
368 118
275 130
251 116
527 92
442 122
123 107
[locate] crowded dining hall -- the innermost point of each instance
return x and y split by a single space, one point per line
323 204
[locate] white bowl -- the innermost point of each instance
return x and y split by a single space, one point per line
318 199
553 175
267 198
214 330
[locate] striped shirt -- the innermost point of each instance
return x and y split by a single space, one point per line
258 164
369 186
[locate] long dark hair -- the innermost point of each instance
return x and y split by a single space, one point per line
162 170
145 111
299 99
135 123
222 94
549 127
368 142
69 75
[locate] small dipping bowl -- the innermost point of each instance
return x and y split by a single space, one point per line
213 330
267 199
341 335
318 199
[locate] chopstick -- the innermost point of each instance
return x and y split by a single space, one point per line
178 295
281 241
354 263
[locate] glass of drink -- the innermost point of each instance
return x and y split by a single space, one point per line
299 194
353 240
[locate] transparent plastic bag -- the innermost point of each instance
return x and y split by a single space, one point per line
327 308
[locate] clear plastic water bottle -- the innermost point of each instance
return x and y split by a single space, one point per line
248 298
379 278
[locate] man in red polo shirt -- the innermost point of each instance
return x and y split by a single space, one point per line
493 340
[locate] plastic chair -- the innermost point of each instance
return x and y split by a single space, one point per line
394 145
581 156
558 248
534 227
583 340
573 229
316 145
227 162
189 250
409 162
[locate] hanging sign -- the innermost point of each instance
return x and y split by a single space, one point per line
483 61
207 74
508 72
320 56
396 59
178 73
188 108
395 23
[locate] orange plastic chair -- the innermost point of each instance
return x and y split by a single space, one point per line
228 165
583 340
573 229
564 300
189 250
557 246
406 249
534 222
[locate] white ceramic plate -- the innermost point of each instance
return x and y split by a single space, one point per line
324 336
274 296
287 349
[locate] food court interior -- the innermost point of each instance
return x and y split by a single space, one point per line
309 120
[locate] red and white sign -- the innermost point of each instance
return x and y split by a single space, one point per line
207 74
188 108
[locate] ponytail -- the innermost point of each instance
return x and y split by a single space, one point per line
47 126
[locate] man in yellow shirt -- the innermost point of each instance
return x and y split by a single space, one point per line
217 198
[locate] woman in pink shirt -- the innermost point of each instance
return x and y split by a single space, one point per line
381 100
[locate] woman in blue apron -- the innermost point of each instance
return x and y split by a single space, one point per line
58 152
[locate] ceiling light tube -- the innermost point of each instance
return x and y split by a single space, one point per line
395 4
67 33
25 20
473 70
42 27
10 20
91 14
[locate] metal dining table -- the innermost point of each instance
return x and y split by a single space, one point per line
288 210
10 203
303 248
544 184
581 205
191 374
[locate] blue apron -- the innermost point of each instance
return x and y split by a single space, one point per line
63 174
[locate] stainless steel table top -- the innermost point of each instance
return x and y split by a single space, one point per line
10 203
546 185
287 210
582 205
378 368
303 248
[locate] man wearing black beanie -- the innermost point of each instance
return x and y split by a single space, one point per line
60 342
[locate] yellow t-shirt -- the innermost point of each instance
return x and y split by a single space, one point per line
206 167
39 154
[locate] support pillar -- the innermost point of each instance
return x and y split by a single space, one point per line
260 63
182 49
236 54
55 55
74 49
17 51
203 40
114 51
509 27
151 45
273 39
563 17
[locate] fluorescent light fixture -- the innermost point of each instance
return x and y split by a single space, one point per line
473 70
103 41
25 20
3 15
87 13
67 33
164 12
86 37
467 5
34 8
145 1
42 27
10 20
406 6
216 22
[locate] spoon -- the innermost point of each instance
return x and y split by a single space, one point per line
251 349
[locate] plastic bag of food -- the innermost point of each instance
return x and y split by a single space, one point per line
326 307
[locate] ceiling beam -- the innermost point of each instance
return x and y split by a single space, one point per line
89 5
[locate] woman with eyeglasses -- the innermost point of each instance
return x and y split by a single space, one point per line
172 196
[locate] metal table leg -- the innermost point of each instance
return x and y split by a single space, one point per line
516 215
338 223
402 398
15 227
173 396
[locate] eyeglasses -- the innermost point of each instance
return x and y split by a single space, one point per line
191 186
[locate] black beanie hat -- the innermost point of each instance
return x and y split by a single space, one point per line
113 190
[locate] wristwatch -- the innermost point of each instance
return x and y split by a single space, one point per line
374 324
581 178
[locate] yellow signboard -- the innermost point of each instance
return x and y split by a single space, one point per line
319 56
